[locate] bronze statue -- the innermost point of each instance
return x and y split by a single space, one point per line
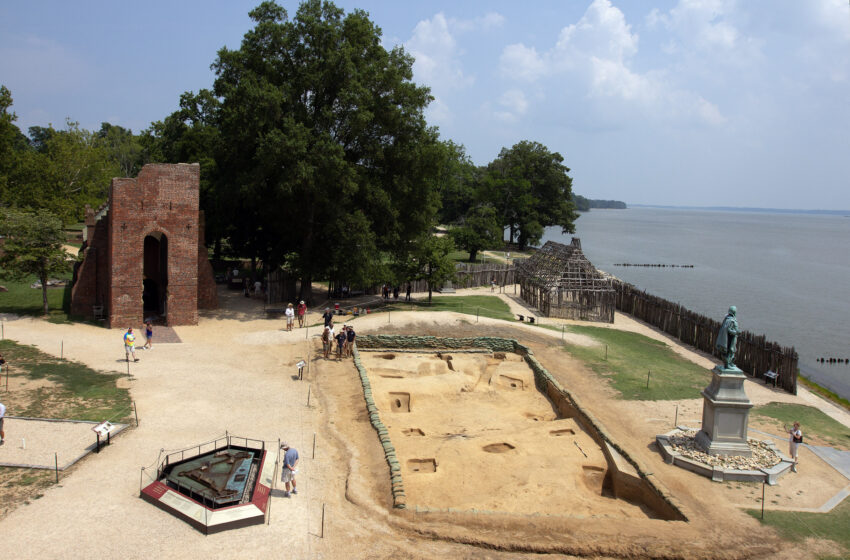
727 338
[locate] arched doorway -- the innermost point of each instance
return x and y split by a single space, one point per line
155 275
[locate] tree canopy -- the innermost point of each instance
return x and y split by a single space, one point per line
326 152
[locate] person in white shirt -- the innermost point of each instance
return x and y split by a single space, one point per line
290 316
793 442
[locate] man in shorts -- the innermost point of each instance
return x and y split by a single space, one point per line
290 461
130 345
340 341
2 416
290 316
349 340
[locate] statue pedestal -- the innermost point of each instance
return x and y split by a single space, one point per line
447 288
725 414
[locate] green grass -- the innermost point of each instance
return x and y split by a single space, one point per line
631 356
813 422
484 306
797 526
23 300
79 393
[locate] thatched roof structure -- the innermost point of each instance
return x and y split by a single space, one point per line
560 282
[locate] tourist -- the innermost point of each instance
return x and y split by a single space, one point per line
148 336
326 341
302 312
340 343
349 340
2 361
290 316
328 316
2 415
795 439
258 288
407 295
290 461
395 293
130 345
493 284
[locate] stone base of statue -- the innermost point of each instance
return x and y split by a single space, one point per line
725 414
447 288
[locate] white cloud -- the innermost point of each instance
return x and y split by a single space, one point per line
595 55
437 62
521 62
515 106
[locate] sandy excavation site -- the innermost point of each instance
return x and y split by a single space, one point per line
493 466
473 432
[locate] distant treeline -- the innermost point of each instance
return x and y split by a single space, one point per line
585 204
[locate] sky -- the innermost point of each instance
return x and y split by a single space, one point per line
680 102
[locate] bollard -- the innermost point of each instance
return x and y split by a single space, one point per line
23 443
676 422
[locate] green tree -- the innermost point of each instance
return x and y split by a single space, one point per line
12 145
530 189
319 123
432 262
457 183
479 229
122 147
33 246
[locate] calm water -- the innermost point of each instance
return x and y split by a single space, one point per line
789 274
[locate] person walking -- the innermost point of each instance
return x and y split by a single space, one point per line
290 316
290 461
407 294
795 439
302 313
328 316
130 345
2 416
148 336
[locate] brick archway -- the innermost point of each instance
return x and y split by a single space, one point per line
155 275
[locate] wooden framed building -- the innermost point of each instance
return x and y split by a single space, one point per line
560 282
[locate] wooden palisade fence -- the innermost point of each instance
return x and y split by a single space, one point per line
755 354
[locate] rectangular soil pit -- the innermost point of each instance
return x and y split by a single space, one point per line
498 447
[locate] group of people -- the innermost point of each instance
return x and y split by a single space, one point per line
130 341
344 338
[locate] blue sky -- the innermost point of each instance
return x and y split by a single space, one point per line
688 102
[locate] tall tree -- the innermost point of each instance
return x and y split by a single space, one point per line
33 246
479 229
320 123
432 262
122 147
530 188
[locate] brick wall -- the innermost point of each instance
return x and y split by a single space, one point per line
161 202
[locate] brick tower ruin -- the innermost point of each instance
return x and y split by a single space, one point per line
144 252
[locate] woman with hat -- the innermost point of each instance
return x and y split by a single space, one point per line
290 316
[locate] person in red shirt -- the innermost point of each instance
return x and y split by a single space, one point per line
302 312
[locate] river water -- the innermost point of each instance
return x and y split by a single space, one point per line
788 274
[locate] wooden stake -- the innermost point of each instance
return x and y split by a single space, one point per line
136 413
323 520
762 499
648 372
314 445
56 460
309 388
676 421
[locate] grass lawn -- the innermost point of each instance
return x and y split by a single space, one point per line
813 423
23 300
631 356
797 526
484 306
77 392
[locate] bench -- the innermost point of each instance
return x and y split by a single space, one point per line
771 376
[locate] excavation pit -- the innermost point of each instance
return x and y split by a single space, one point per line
500 444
